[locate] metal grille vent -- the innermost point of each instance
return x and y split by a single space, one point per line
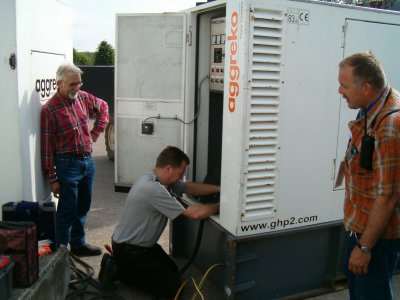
265 63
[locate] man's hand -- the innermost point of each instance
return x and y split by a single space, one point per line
199 212
358 262
379 218
55 189
94 137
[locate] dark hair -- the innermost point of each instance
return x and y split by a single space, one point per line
172 156
366 69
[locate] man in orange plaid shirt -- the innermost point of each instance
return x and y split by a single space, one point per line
372 174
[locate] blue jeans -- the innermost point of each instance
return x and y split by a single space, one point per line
75 176
376 283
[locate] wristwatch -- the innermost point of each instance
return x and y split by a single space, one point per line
364 249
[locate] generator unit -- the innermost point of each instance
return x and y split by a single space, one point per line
248 88
31 51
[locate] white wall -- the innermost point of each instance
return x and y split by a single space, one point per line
10 165
40 33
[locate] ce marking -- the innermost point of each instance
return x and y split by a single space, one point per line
298 16
304 16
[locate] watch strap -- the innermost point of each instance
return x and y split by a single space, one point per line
364 249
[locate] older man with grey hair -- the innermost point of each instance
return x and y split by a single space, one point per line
66 147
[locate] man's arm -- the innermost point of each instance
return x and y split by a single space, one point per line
386 168
200 189
198 212
98 108
47 146
379 218
47 142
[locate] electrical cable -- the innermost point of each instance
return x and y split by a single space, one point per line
199 99
196 286
178 293
195 250
176 117
80 279
203 279
198 292
189 262
83 279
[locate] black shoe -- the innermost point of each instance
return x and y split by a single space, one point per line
86 250
108 272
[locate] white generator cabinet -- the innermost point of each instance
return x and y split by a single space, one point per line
285 125
258 78
249 90
36 37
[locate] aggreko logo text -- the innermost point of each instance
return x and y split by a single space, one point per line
234 70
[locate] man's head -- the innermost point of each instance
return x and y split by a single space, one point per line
361 79
171 165
69 81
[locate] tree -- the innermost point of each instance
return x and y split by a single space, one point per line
104 54
384 4
82 58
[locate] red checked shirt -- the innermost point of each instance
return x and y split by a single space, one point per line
65 127
362 186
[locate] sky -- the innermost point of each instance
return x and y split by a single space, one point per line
94 20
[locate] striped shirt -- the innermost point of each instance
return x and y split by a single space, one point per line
363 186
65 127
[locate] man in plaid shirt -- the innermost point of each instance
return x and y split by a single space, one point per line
372 174
66 146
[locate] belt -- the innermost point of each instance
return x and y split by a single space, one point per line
75 155
132 249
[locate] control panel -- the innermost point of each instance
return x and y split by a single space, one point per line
217 61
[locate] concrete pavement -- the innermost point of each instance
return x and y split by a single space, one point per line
106 208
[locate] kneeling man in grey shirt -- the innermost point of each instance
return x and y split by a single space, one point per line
140 261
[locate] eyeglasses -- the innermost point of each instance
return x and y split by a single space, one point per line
73 84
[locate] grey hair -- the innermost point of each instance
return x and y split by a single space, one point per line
67 68
366 69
